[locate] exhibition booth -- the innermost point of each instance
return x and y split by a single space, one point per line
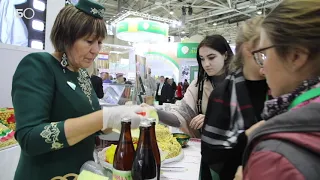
146 47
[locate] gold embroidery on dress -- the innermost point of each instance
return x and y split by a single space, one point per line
85 84
66 177
50 134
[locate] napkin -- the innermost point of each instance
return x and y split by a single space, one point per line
87 175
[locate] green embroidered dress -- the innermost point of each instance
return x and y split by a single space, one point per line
44 96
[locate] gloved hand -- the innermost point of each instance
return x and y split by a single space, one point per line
149 110
112 116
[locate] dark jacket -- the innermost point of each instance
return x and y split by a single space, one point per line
174 86
167 93
286 147
157 95
97 85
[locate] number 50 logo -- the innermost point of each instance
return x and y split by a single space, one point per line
22 13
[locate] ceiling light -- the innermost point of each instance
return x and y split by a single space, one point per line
259 12
171 12
215 24
183 32
179 23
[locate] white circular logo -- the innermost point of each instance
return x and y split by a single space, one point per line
145 25
185 49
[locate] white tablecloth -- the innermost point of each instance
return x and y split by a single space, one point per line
9 159
190 164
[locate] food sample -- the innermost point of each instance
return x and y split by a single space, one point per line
167 142
182 136
7 118
6 136
111 151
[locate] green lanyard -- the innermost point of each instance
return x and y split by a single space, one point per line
312 93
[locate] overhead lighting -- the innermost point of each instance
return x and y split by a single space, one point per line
183 32
179 23
171 12
142 15
215 24
259 12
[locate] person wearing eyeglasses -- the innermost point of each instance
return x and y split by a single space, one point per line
287 145
234 109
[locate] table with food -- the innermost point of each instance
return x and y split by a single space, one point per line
179 156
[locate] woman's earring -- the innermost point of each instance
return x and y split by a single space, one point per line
64 61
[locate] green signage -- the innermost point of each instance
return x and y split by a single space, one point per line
122 26
187 50
153 27
142 26
193 72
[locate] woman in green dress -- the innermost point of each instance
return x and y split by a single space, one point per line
57 111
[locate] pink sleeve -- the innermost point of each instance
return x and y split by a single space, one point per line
266 165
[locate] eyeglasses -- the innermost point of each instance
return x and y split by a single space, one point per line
260 56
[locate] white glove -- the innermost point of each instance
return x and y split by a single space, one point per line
112 116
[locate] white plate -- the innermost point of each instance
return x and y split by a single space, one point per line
174 159
101 158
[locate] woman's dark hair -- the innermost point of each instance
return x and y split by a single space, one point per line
218 43
72 24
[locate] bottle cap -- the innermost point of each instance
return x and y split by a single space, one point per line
125 119
145 123
152 120
142 113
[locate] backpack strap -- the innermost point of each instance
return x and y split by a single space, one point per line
304 160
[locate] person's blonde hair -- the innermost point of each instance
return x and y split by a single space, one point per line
294 23
72 24
248 32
